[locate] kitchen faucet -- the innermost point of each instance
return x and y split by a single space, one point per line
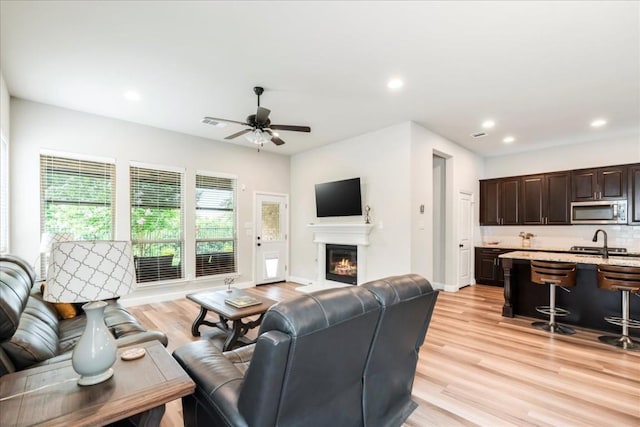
605 248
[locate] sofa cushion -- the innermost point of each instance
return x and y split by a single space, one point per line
15 286
36 338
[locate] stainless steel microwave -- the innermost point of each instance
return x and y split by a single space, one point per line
599 212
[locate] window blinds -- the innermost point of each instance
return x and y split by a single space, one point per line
216 235
157 218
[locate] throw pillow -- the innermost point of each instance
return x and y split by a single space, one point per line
65 310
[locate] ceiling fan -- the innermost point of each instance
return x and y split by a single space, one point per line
260 128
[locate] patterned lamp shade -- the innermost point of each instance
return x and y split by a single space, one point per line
83 271
49 239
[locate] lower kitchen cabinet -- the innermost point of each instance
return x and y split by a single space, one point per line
488 268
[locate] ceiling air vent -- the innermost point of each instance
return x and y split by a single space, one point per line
210 121
479 134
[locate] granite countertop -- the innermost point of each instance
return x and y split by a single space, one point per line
515 247
577 258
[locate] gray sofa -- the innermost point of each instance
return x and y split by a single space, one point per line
338 357
31 332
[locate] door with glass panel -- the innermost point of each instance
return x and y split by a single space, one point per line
271 238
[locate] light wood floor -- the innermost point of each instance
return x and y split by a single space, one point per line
479 368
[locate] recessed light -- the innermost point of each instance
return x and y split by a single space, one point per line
131 95
508 139
488 124
598 123
395 83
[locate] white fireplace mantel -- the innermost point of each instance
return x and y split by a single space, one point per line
340 234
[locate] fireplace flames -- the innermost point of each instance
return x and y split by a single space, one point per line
344 267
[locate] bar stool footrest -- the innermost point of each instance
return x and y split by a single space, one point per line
620 321
557 311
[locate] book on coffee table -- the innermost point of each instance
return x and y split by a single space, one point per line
242 301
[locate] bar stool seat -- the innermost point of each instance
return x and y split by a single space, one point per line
625 279
553 274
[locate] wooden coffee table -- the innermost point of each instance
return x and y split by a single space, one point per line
50 395
214 301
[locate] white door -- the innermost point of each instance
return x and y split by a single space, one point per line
465 238
271 238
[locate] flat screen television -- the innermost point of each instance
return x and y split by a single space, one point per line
339 198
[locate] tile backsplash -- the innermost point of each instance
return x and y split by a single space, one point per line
563 236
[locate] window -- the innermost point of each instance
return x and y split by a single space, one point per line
4 194
157 223
76 197
215 225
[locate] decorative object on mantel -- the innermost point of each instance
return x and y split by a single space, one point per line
526 239
367 218
91 271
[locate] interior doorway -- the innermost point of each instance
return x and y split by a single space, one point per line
439 219
465 238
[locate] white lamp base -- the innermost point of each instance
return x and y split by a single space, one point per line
95 379
95 352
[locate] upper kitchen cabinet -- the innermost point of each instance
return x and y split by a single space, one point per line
499 201
633 208
609 183
546 199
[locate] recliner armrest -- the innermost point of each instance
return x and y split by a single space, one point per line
218 381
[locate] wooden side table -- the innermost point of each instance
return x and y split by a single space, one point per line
214 301
49 395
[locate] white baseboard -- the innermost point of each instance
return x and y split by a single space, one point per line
301 280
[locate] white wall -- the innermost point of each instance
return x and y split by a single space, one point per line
381 160
607 152
463 170
395 165
4 107
36 127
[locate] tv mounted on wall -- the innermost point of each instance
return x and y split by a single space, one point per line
339 198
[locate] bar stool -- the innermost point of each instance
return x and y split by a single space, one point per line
626 280
554 274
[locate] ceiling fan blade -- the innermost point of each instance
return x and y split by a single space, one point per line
237 134
208 120
277 140
291 127
262 115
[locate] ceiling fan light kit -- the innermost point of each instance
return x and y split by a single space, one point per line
260 128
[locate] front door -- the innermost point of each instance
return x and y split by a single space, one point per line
271 238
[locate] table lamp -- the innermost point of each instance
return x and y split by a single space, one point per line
46 244
91 271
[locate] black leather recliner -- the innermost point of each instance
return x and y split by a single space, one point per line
407 305
318 361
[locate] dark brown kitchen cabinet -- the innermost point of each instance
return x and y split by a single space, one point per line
499 201
633 205
488 268
609 183
546 199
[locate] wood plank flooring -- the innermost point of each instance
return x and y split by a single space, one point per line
479 368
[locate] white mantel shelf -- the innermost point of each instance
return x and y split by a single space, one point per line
345 234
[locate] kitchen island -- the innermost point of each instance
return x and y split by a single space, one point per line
588 305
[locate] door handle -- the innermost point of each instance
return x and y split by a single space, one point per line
461 245
259 244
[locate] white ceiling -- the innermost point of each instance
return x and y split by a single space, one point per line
541 70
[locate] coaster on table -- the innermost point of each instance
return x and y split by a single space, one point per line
133 353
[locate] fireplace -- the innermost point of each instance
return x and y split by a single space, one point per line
342 263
